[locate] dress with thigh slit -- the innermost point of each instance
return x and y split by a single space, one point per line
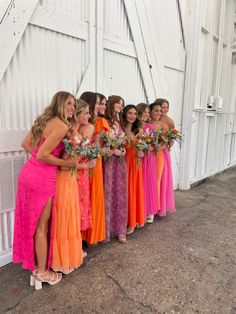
36 185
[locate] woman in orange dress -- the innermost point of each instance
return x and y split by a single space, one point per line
98 232
67 241
136 214
155 113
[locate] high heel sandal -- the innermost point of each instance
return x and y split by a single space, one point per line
130 230
36 279
122 239
66 272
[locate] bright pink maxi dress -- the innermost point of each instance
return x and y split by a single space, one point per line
36 185
150 179
167 189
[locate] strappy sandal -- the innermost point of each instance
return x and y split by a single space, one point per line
122 239
130 230
66 272
37 279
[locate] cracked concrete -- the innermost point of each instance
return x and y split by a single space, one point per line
183 263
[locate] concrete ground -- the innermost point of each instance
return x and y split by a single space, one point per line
184 263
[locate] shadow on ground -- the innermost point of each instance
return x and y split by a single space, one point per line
184 263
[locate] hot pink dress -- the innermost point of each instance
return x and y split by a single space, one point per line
150 179
36 185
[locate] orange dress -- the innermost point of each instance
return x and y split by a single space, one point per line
67 241
160 167
135 189
98 232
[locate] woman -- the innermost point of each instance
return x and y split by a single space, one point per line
135 174
67 241
143 113
36 189
149 168
115 178
102 105
164 112
98 232
86 131
166 201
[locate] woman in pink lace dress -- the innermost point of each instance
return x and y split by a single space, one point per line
36 189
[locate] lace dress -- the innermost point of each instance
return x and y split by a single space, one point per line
36 185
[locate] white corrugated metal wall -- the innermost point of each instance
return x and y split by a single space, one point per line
214 119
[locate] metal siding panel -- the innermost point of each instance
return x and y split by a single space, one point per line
130 87
44 63
167 19
75 8
115 19
10 165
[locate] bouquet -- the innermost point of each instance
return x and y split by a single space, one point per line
114 141
71 147
89 151
148 136
175 135
140 145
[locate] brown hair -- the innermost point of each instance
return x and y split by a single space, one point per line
160 101
109 113
90 98
141 108
136 124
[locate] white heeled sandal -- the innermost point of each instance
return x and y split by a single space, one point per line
36 280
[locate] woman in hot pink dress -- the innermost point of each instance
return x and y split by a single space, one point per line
149 168
36 189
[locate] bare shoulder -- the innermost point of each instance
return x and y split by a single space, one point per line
87 130
170 122
164 125
56 126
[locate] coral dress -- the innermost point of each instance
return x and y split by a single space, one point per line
160 166
36 185
167 190
67 241
98 232
84 199
135 189
116 196
149 165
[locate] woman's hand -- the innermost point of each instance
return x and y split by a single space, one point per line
119 152
92 163
106 151
140 153
150 148
70 163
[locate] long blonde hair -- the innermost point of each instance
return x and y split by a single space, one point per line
80 105
55 109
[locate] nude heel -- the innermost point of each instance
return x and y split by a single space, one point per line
32 280
38 284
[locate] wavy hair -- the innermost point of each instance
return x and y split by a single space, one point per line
80 105
141 108
110 115
90 98
55 109
136 124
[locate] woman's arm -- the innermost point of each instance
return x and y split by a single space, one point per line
87 131
27 143
54 137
